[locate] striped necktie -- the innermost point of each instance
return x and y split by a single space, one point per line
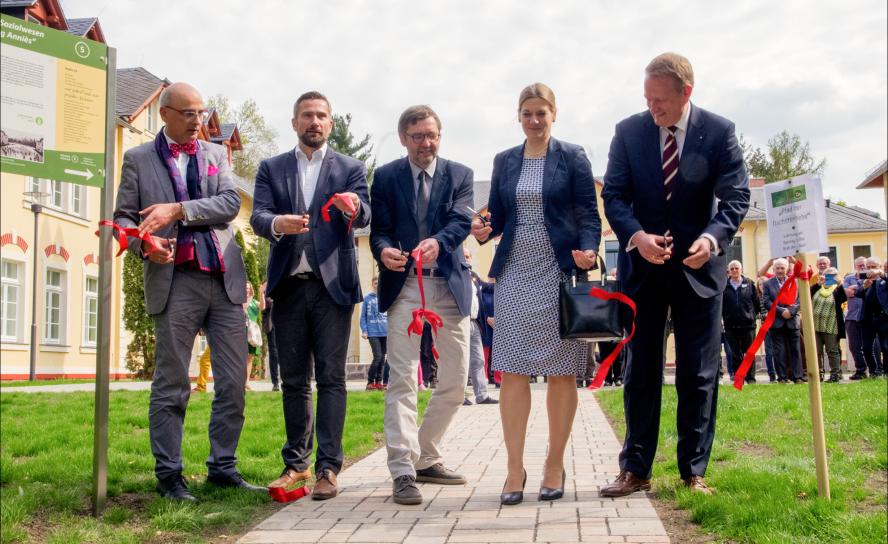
670 161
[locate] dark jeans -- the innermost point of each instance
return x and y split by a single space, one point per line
273 363
379 368
615 372
313 329
739 341
861 339
829 342
787 353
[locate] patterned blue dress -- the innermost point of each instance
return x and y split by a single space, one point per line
525 336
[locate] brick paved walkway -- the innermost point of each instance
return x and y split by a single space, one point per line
364 512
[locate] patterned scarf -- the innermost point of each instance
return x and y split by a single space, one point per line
193 244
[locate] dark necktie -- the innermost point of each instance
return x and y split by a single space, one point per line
422 203
670 162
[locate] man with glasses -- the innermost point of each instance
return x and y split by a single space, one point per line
313 279
420 203
180 190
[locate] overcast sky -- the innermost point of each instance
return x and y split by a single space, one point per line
815 68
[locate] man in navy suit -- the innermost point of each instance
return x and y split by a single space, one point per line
785 329
420 203
675 192
313 279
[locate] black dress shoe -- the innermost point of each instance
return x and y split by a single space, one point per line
235 480
174 488
550 494
513 497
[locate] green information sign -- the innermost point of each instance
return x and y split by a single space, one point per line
53 92
788 196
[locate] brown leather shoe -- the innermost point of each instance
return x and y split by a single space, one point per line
697 485
290 477
625 484
326 487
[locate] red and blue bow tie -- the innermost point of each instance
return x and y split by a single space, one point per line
189 148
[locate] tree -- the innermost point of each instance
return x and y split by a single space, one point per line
342 140
251 266
140 351
785 157
256 135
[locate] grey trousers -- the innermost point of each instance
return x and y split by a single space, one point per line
476 363
198 300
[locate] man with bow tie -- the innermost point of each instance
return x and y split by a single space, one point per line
313 279
180 191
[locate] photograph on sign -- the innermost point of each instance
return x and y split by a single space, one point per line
796 216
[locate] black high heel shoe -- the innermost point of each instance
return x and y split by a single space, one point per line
549 494
513 497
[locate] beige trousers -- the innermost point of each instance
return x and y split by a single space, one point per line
411 449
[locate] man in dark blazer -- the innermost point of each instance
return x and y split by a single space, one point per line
675 192
313 279
180 190
785 330
740 309
420 203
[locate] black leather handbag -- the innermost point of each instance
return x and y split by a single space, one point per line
584 317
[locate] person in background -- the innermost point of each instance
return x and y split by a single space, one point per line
477 375
740 308
876 308
871 350
485 320
203 369
271 345
768 343
374 329
827 297
785 330
252 310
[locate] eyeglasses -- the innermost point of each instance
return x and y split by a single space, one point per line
203 115
420 137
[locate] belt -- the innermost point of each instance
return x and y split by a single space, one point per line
304 276
429 272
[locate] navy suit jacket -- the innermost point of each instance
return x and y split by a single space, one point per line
276 191
769 298
449 221
710 195
570 209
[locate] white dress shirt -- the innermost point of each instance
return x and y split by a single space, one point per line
309 169
181 160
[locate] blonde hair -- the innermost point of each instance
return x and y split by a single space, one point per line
674 66
537 90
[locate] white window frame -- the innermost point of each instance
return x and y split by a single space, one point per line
56 188
18 285
90 296
78 199
60 291
33 184
151 117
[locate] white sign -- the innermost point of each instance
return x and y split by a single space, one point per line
796 216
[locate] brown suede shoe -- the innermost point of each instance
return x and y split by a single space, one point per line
697 485
625 484
290 477
326 487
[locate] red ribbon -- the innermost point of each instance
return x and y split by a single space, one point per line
786 296
422 314
601 294
123 233
280 494
346 201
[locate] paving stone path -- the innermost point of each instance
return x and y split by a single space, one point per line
364 511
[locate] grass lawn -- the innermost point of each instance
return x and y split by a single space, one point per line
762 464
46 468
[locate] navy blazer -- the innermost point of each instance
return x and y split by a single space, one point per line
710 195
276 191
570 209
449 221
769 298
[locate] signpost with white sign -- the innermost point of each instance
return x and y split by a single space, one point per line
57 121
796 217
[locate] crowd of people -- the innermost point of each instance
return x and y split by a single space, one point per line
430 319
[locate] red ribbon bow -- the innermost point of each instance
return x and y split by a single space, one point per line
786 296
422 314
123 233
280 494
346 201
189 148
601 294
